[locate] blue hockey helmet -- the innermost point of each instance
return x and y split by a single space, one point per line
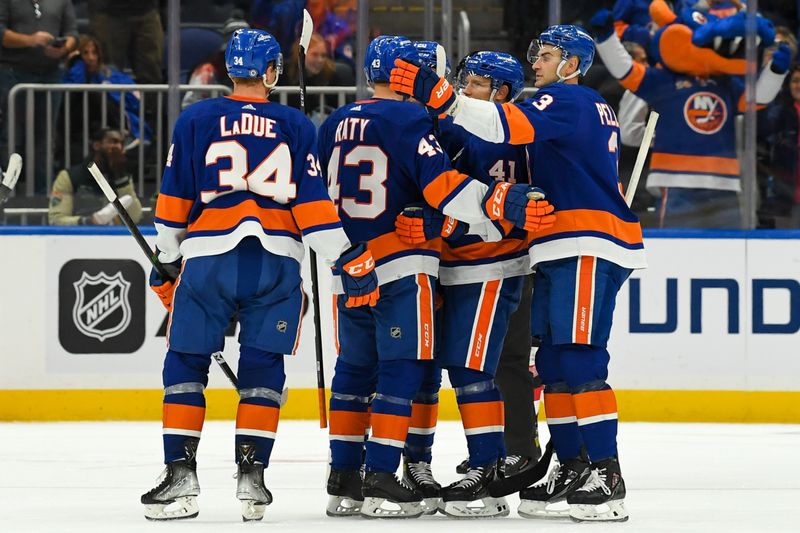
499 67
250 52
381 53
427 54
572 41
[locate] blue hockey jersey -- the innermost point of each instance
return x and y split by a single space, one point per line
242 167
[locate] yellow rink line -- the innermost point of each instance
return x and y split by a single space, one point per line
634 405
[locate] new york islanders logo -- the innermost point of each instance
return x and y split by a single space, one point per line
705 112
101 309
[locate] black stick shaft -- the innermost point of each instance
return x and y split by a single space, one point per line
223 364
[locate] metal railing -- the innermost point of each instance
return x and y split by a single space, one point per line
329 97
463 34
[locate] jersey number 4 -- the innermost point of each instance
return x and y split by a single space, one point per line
373 183
271 178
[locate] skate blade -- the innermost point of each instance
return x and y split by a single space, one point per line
252 510
383 508
431 505
181 508
484 508
339 506
543 510
613 511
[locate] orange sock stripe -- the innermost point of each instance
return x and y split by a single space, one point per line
259 417
425 316
391 427
180 416
424 415
559 405
595 403
348 423
482 414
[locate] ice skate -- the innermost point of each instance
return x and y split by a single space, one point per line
344 490
250 488
602 496
175 494
386 497
419 477
514 464
546 500
469 497
463 467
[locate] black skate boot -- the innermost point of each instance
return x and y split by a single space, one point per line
386 497
344 489
419 477
542 501
250 488
463 467
602 496
469 497
514 464
175 494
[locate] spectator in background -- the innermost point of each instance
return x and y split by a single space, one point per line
779 140
89 66
281 18
132 36
77 200
321 71
35 38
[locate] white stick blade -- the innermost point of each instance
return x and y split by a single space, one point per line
13 171
441 61
101 181
308 27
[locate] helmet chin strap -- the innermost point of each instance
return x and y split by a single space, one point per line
565 78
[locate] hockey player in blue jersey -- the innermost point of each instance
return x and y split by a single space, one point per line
581 262
241 192
482 284
380 155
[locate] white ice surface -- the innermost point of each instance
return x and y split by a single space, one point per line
87 477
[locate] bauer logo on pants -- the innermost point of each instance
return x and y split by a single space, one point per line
101 306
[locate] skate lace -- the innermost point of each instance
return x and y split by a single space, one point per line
552 479
471 478
596 480
421 472
512 460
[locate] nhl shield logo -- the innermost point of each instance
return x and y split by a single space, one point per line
102 309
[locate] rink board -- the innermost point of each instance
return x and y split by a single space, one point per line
710 332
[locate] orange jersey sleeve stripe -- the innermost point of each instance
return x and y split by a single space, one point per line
594 220
260 417
180 416
585 296
619 27
425 309
391 427
349 423
695 163
442 186
424 415
173 208
315 213
220 219
481 414
520 129
588 404
390 243
634 78
558 405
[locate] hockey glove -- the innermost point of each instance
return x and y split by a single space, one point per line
416 225
602 25
165 288
781 59
522 205
424 85
106 215
359 281
636 34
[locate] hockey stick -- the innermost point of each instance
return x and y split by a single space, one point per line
504 486
111 196
441 67
647 138
305 38
10 177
